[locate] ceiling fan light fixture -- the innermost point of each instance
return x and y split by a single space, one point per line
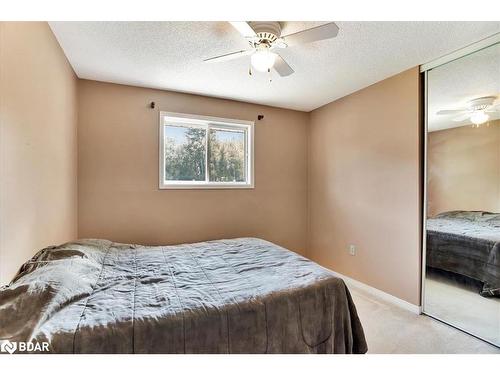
265 36
479 117
263 60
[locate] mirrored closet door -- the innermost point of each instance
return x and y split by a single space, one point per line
461 284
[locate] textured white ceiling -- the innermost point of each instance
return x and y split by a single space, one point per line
168 55
452 85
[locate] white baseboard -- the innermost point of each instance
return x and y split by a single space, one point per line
386 297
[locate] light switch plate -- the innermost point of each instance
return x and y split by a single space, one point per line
352 250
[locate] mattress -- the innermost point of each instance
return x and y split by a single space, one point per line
467 243
242 295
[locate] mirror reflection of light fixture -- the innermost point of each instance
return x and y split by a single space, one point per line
479 117
476 111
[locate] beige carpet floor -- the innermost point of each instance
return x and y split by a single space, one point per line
391 329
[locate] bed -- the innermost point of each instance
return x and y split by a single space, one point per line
243 295
467 243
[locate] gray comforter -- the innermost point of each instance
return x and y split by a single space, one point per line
467 243
242 295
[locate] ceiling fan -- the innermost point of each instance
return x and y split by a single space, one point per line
265 40
476 111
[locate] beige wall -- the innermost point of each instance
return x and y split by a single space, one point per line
38 192
119 197
464 169
364 185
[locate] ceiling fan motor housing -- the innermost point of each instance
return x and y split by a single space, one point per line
481 104
267 32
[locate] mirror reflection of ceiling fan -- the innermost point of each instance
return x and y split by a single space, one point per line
477 111
265 41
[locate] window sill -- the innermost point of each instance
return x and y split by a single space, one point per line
204 186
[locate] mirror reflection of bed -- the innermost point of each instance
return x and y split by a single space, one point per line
462 259
462 275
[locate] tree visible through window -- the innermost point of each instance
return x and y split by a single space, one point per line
185 150
198 153
226 155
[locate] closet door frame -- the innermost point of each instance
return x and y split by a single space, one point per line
424 69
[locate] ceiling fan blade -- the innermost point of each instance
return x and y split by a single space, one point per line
462 117
326 31
229 56
244 29
282 67
452 111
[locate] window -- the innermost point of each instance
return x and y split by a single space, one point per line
205 152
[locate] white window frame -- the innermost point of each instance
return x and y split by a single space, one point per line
206 122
